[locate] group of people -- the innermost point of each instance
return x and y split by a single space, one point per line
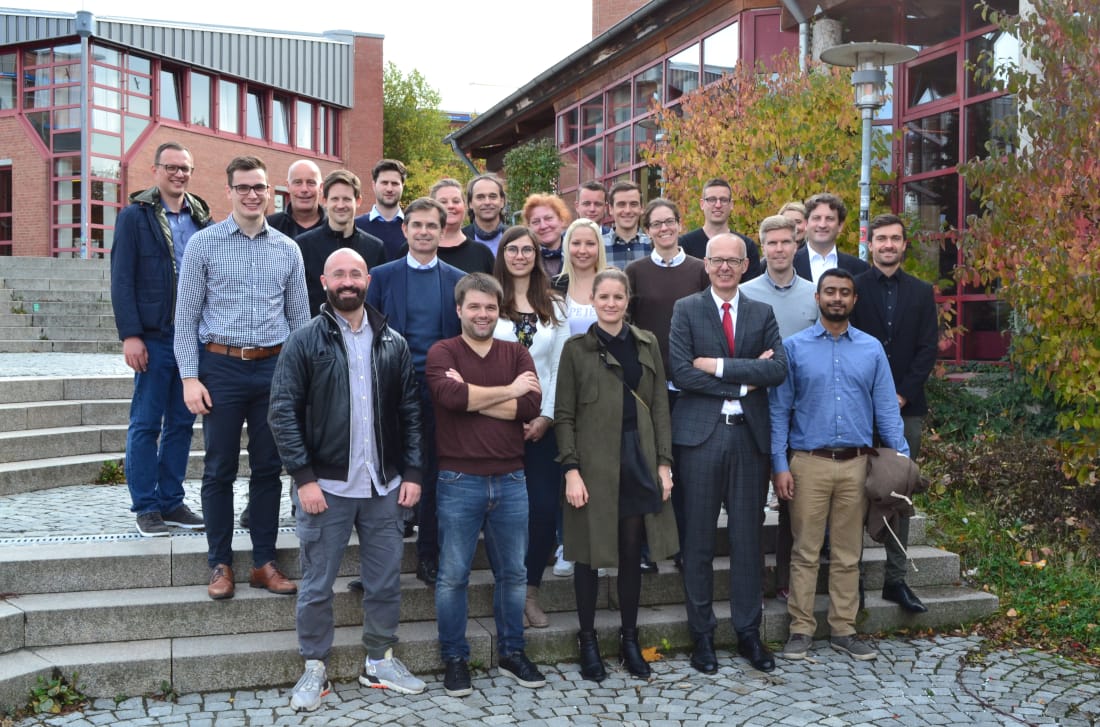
608 386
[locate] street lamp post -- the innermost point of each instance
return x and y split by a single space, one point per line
869 81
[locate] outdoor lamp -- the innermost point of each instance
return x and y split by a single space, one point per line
869 80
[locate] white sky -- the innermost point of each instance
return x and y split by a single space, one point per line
475 52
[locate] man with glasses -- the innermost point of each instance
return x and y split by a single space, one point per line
305 213
242 291
716 204
724 350
150 237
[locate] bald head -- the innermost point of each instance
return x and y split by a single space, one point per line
304 180
724 240
345 257
725 264
345 281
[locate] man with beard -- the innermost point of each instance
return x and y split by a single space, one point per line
303 178
385 219
484 389
356 464
838 390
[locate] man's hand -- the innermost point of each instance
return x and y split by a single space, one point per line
535 429
524 383
706 365
783 482
454 375
311 498
902 401
409 494
196 397
766 355
576 494
136 355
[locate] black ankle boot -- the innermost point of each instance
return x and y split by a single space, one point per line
591 664
631 656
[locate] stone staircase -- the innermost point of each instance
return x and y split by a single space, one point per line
56 304
131 614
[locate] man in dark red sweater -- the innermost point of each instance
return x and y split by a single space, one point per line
484 390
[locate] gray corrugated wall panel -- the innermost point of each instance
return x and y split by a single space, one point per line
300 65
29 28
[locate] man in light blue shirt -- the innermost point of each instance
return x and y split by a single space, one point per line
823 418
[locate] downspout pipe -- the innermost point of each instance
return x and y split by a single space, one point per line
461 155
803 21
85 22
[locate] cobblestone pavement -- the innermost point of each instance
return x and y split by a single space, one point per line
99 511
63 364
915 682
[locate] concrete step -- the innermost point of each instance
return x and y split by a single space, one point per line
59 265
62 281
47 389
48 414
240 661
53 308
50 321
48 346
42 474
129 561
73 296
58 333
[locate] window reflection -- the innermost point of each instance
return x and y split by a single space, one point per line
932 80
683 72
932 143
991 121
721 52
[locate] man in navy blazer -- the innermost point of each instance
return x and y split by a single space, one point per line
827 213
724 351
417 295
900 311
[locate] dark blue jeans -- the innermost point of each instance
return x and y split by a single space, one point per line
155 472
468 504
544 502
239 392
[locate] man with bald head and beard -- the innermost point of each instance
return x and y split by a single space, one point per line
356 464
305 212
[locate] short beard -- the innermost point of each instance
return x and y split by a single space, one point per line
835 317
344 304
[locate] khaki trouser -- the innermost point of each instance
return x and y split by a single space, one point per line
826 492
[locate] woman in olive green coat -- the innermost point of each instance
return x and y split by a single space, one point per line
615 446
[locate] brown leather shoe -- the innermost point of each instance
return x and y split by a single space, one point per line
221 583
270 577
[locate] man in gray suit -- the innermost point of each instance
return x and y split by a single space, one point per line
724 350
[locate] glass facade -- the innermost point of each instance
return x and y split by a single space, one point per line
128 95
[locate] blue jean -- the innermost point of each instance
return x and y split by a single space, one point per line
468 504
544 498
323 538
239 392
155 472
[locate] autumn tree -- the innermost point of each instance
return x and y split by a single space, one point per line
413 129
1039 234
776 136
530 168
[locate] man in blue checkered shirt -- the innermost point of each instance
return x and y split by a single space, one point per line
242 290
625 242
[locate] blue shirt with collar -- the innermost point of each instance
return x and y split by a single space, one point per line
837 391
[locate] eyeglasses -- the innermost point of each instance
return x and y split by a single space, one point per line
715 201
733 262
244 189
658 224
519 251
176 168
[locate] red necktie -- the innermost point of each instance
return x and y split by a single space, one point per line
727 325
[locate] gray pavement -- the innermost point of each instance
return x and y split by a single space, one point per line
913 682
64 364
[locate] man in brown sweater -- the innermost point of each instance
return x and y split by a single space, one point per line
483 390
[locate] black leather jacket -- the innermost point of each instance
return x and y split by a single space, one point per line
310 411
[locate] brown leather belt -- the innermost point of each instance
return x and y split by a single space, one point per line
248 353
842 453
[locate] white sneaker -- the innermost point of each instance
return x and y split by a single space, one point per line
562 568
390 673
311 688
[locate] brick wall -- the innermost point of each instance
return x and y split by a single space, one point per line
30 188
362 145
605 13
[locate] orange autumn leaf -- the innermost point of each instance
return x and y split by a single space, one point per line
651 654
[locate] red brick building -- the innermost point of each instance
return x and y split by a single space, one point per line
85 101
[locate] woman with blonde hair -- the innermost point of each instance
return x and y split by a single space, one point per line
584 258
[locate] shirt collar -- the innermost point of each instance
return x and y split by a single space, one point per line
732 301
375 214
883 277
777 286
814 254
417 265
820 332
659 261
184 206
